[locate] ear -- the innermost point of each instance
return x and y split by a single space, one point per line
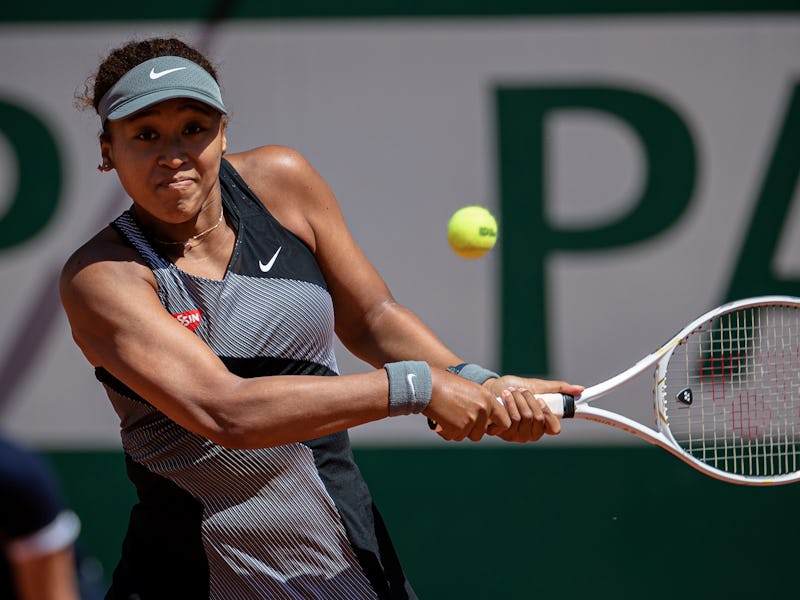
105 151
224 141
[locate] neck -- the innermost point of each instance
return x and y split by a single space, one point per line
190 242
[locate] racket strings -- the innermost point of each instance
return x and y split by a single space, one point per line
742 413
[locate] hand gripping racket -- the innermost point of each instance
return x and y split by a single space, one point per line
726 393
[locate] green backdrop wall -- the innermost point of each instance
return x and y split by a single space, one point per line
528 522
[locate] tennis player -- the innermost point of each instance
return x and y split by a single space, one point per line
208 310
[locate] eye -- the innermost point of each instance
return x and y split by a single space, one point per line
146 135
194 128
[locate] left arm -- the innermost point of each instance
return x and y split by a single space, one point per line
378 330
369 322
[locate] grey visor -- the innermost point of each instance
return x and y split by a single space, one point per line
156 80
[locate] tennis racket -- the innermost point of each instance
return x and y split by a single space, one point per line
726 393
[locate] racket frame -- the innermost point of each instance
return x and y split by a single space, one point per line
562 404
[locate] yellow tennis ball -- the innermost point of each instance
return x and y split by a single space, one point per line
472 231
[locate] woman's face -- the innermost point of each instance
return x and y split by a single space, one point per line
167 157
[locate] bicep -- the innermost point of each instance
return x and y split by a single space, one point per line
119 323
368 320
360 294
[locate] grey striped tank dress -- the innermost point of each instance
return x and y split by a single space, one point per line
293 522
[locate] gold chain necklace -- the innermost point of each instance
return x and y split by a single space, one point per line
187 245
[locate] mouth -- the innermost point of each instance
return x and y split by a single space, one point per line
176 183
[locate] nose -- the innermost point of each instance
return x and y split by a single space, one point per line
173 155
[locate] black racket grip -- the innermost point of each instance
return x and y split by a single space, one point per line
569 406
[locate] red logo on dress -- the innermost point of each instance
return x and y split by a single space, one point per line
190 318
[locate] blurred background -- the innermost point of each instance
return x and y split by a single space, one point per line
642 159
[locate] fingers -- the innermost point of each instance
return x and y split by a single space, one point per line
479 427
537 386
530 416
475 424
461 409
569 388
552 422
531 425
516 416
492 419
501 419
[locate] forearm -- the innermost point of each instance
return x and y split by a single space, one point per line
395 333
272 411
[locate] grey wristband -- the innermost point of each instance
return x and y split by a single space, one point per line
410 386
473 372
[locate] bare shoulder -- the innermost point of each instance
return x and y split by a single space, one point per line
105 289
102 261
278 165
288 185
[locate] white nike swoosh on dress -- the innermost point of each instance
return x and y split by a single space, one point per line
157 74
266 267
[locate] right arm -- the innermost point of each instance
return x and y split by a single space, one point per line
120 324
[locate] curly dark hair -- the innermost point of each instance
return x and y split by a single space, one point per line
121 60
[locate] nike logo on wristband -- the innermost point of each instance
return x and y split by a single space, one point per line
410 378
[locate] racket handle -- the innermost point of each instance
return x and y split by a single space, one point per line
561 405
